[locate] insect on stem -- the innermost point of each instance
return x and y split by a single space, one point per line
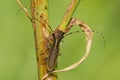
43 30
54 50
88 36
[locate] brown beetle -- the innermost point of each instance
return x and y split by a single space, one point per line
54 50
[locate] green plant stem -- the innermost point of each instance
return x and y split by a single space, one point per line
68 15
39 12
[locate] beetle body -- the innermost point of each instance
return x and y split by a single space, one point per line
54 50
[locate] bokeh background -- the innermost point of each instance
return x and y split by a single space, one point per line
17 53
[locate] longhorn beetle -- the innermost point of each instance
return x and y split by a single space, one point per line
56 37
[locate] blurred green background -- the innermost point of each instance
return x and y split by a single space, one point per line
17 53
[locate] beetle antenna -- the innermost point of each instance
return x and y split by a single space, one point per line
99 33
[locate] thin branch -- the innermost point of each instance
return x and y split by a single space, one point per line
24 9
68 14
